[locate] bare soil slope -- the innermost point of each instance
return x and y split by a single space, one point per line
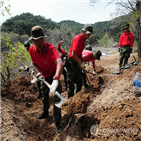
113 115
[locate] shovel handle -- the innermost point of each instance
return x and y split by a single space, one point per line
56 93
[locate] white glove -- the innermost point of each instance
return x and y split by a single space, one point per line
54 86
82 65
94 73
34 76
39 75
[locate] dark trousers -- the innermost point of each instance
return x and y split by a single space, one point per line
124 56
45 99
65 77
74 74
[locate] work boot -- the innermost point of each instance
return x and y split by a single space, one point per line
39 95
43 115
58 127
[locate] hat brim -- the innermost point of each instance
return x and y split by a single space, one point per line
33 38
126 27
86 31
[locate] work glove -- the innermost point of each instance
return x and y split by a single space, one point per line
82 65
54 86
27 44
94 73
119 49
130 50
39 75
34 77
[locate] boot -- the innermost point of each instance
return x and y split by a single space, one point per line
58 127
43 115
39 95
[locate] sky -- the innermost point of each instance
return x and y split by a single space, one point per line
59 10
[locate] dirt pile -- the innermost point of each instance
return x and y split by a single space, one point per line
114 114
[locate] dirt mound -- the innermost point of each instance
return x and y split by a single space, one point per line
110 113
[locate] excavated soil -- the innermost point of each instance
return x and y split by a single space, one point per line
109 113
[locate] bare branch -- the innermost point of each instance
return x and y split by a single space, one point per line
131 6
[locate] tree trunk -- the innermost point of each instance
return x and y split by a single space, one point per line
138 6
3 77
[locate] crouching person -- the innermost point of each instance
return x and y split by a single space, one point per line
48 65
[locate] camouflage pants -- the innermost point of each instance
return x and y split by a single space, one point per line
74 74
45 98
124 56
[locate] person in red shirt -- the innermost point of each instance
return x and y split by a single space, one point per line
75 65
63 55
48 65
125 45
90 56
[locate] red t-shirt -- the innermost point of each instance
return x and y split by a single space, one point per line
126 39
61 50
88 56
46 59
78 45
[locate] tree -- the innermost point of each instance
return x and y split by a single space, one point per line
12 59
133 9
5 7
105 41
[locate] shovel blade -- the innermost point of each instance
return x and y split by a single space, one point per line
59 104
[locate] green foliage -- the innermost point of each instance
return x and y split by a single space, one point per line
5 7
75 26
64 30
56 35
17 54
105 41
22 24
11 37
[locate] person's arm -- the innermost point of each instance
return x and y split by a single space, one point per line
132 40
83 57
93 62
120 41
75 57
57 75
59 47
59 67
35 67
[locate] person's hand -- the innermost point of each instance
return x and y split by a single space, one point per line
94 73
119 49
61 42
82 65
39 75
34 76
54 86
130 49
27 44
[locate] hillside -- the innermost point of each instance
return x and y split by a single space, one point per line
22 24
113 115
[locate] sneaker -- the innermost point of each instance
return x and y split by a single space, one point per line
58 127
39 95
43 115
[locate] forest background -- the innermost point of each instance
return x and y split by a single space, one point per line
16 30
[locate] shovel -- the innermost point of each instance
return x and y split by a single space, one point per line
56 93
89 82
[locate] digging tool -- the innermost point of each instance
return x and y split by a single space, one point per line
134 57
56 93
88 81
